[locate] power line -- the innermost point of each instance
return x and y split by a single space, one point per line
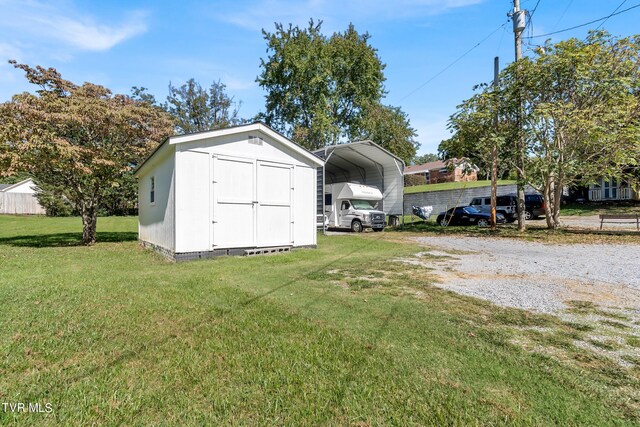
534 11
585 24
454 62
529 25
619 6
564 12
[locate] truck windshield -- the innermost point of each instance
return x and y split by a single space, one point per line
362 204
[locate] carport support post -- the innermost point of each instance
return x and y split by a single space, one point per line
324 177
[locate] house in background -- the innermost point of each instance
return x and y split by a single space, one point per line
452 170
612 189
20 199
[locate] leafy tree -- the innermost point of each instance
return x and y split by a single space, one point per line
581 110
325 90
13 179
77 141
54 203
578 103
390 128
476 133
425 158
142 94
197 109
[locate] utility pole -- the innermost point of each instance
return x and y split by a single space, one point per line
494 148
519 23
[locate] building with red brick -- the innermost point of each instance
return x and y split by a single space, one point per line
452 170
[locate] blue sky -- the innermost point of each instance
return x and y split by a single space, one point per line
121 44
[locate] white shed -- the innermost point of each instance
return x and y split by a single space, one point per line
20 199
231 191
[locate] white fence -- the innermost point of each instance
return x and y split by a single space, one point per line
20 204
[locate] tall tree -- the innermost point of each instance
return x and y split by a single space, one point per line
390 128
197 109
78 141
581 113
325 90
425 158
476 133
579 106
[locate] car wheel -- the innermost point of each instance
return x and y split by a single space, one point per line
483 222
528 215
444 222
356 226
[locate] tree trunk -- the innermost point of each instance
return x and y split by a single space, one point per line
89 222
557 200
521 206
552 198
548 201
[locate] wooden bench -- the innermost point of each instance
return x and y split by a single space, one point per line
621 218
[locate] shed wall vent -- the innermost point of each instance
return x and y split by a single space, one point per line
256 140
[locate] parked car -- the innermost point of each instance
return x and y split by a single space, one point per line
534 205
467 215
505 205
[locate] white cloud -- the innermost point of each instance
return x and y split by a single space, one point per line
259 14
44 23
7 52
237 84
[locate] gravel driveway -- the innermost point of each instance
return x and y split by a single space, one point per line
538 276
545 278
593 222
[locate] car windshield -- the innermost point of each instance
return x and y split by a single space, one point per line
471 210
363 204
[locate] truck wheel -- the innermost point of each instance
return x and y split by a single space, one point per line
378 229
356 226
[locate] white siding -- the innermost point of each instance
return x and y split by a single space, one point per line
20 204
27 187
304 204
193 198
237 145
156 220
20 200
393 193
240 190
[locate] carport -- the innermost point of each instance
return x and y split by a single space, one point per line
363 162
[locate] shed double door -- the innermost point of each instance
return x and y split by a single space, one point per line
252 203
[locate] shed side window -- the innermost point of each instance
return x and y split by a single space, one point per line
152 191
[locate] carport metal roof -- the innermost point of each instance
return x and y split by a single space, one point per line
367 163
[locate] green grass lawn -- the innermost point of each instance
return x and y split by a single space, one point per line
342 335
452 186
582 209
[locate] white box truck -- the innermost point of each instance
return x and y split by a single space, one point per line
353 206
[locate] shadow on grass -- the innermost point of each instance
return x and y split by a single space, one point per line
65 239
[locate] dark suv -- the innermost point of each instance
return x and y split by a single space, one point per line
506 205
534 205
